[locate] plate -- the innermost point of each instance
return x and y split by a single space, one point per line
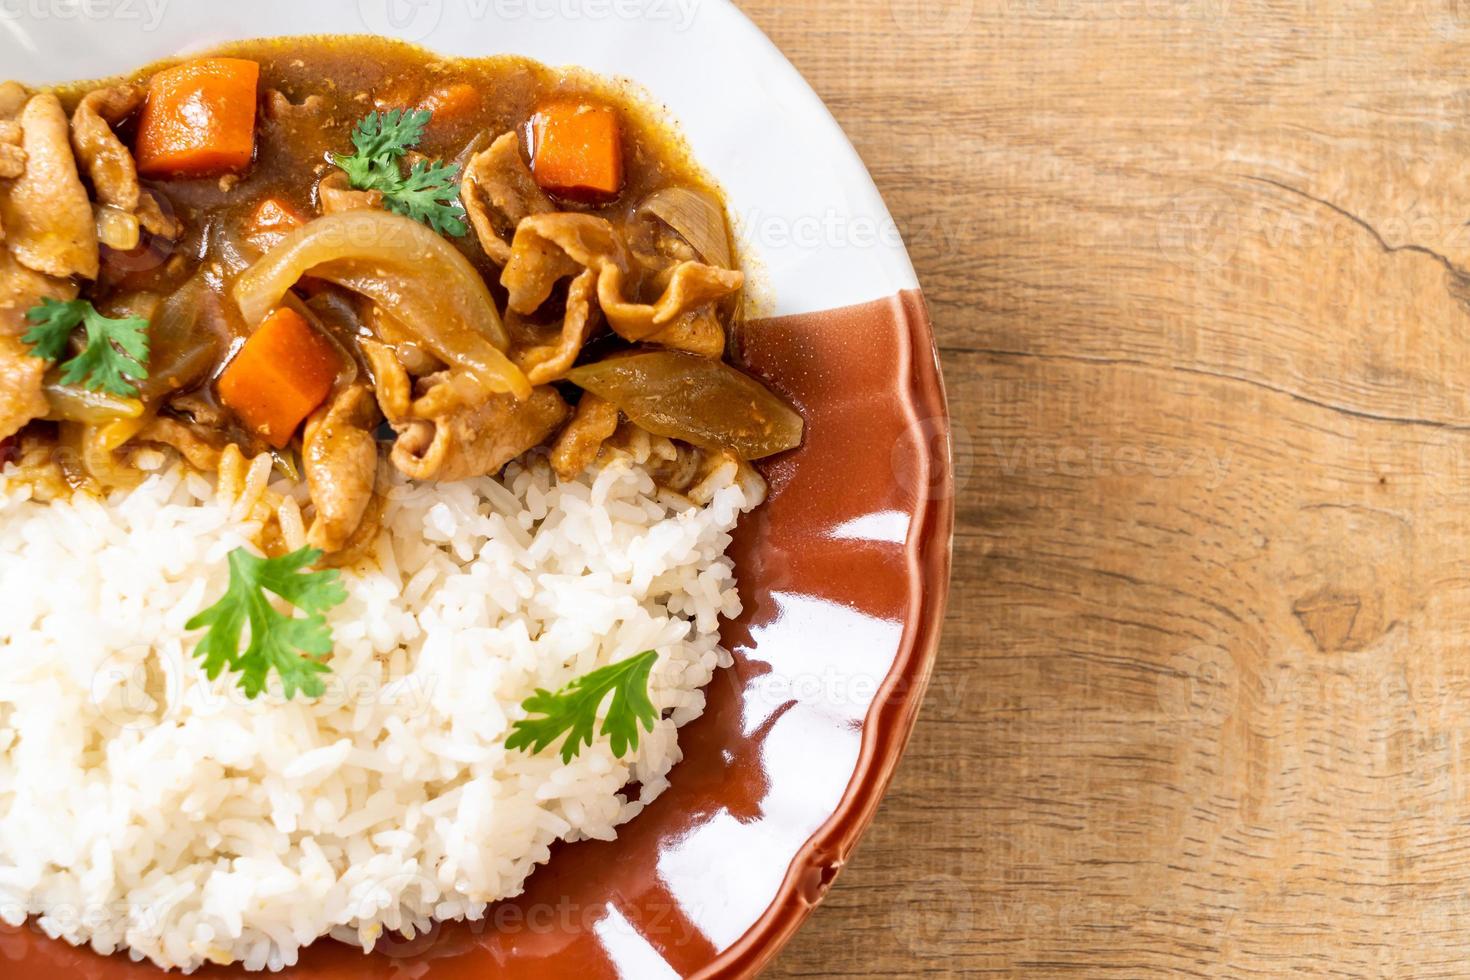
843 573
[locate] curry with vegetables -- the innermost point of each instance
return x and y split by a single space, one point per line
361 259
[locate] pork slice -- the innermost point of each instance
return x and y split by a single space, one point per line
108 163
498 191
456 430
21 397
47 216
340 458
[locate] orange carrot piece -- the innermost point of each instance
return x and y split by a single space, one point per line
199 119
284 371
271 221
577 150
275 215
453 103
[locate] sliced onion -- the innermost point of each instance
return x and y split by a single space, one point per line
73 403
414 274
698 399
482 139
114 435
234 252
335 194
341 312
411 354
185 339
287 464
91 447
698 217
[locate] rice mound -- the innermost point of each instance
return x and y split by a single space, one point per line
143 807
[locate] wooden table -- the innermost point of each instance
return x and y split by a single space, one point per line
1199 274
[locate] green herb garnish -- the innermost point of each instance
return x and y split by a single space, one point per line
115 353
428 193
574 709
293 647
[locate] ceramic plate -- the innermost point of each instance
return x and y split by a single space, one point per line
843 573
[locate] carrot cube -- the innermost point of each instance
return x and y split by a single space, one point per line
199 119
271 221
275 215
453 103
284 371
577 150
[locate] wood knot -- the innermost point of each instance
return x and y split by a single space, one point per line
1334 621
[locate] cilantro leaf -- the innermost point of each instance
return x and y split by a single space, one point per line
385 136
428 193
115 354
54 321
292 647
573 709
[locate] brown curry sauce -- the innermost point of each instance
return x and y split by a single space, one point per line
355 75
312 93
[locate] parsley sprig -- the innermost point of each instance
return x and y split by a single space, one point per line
429 192
292 647
573 709
115 354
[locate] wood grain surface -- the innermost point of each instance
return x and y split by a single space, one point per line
1198 270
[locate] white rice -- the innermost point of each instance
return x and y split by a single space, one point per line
145 808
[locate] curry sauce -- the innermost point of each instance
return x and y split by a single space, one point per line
397 275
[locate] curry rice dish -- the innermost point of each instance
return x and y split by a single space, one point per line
371 448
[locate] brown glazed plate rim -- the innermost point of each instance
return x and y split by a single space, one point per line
928 551
851 296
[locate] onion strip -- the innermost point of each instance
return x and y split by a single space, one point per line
703 401
697 217
403 267
73 403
